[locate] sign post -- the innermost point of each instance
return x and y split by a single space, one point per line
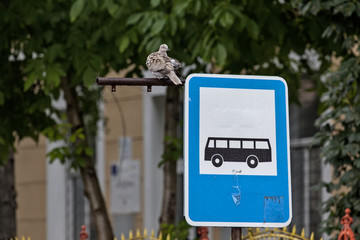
236 151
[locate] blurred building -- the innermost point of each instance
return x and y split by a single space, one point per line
307 167
51 204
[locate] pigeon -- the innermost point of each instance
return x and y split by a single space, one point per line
161 65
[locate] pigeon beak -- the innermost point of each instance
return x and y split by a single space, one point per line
168 49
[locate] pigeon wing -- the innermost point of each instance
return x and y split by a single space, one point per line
169 71
175 63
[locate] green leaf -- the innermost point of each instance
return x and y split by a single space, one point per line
315 6
79 150
209 46
173 26
180 6
76 9
145 23
197 7
53 74
155 3
79 162
54 51
52 77
89 151
134 18
94 3
226 20
96 35
133 37
60 153
72 138
95 62
305 8
346 9
253 29
81 136
29 81
220 54
158 26
112 8
216 13
89 76
124 43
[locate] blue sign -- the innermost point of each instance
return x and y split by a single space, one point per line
236 151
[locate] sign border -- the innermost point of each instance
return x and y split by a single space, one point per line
186 156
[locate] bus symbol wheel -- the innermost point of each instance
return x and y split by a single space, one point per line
217 160
252 161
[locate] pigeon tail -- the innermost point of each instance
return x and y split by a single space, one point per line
174 78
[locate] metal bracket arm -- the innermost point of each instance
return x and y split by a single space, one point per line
149 82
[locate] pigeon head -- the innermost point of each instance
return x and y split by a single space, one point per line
163 48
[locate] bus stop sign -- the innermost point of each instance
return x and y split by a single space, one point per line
236 151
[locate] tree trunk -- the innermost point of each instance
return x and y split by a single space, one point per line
7 199
172 116
88 174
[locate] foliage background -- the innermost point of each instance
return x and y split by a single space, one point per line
50 41
338 123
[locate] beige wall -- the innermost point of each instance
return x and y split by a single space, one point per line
30 180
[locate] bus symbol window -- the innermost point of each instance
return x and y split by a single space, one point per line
250 150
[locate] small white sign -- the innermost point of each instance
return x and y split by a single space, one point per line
238 122
125 187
